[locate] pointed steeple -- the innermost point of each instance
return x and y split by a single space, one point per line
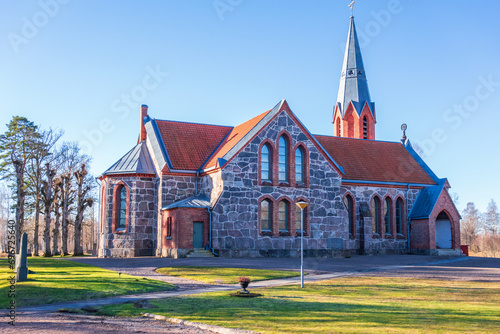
358 120
353 84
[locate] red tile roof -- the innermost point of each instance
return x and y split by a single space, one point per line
369 160
189 144
234 137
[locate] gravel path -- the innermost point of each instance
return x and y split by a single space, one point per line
50 323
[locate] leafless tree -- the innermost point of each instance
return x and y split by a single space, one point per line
83 202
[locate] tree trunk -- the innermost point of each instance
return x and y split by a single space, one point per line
55 234
48 204
64 222
19 203
37 220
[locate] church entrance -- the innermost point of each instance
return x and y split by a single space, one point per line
443 231
198 235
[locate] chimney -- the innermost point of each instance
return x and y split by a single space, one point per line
144 114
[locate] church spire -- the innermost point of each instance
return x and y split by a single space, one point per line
353 90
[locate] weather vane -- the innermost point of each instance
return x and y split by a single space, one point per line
351 5
404 127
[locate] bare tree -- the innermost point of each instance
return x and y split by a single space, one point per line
470 225
4 216
16 147
42 148
47 194
83 202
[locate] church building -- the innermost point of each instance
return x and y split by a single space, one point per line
188 189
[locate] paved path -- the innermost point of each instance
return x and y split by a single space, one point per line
408 266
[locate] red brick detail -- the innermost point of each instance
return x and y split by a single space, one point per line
116 207
290 163
142 131
272 205
270 145
103 205
367 160
380 216
403 218
423 231
305 154
352 222
392 229
182 227
291 213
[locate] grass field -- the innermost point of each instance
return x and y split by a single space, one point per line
61 280
349 305
213 275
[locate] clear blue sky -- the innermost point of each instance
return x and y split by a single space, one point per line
80 66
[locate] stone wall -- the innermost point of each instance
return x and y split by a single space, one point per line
140 238
380 244
236 222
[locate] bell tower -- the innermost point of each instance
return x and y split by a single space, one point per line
354 112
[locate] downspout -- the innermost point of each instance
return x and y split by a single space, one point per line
408 219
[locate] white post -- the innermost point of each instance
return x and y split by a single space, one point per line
302 205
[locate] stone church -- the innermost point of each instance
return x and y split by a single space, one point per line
188 188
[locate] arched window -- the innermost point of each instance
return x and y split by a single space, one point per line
265 216
265 163
399 216
283 159
120 208
338 127
299 166
283 216
349 204
122 222
387 216
375 207
365 128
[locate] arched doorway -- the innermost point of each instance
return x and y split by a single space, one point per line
443 231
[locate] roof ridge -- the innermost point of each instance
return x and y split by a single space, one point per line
359 139
197 123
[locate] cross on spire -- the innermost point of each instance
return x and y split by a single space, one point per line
351 5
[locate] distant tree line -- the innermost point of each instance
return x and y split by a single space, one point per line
481 231
46 189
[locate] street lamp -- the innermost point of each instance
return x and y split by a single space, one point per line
302 205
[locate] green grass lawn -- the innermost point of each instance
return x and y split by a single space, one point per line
61 280
214 275
349 305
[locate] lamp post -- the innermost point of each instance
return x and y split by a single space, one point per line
302 205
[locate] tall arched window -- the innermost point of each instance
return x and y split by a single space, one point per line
349 204
265 163
399 216
387 216
338 127
283 159
122 222
265 216
375 207
283 216
365 128
299 166
120 208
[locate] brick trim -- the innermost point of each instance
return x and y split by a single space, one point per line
290 164
289 214
391 234
116 207
306 170
379 214
271 214
352 222
271 163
